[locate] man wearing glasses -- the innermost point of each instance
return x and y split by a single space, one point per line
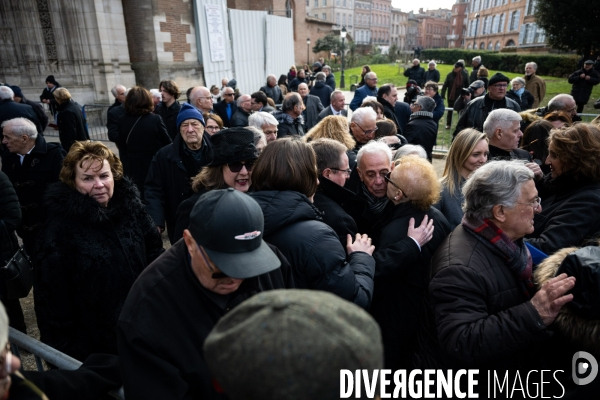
201 98
226 107
221 261
478 109
369 89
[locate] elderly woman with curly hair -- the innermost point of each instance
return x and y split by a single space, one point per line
402 256
97 240
570 212
332 127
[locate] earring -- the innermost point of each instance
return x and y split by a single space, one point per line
395 197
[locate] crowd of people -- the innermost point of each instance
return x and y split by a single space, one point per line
368 259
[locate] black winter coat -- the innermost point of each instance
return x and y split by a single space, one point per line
481 315
294 226
422 130
440 108
432 75
332 212
294 83
240 118
165 321
221 110
323 92
71 124
570 213
402 274
39 112
88 257
112 125
274 93
449 82
169 181
389 112
142 137
10 109
402 111
169 117
30 179
310 114
48 94
10 218
582 88
330 81
288 126
525 101
476 112
416 73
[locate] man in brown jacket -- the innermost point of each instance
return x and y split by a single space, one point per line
534 84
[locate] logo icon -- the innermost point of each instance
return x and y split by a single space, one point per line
583 372
248 236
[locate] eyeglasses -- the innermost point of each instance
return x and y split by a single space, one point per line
238 165
535 203
347 171
228 94
388 180
215 275
367 132
212 128
500 86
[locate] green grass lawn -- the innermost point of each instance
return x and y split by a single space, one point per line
391 73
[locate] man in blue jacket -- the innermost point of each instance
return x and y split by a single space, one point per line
369 89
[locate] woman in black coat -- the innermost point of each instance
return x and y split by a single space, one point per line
142 133
285 177
96 241
518 93
10 218
570 193
403 255
70 120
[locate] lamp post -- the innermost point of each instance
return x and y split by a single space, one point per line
307 51
343 35
476 25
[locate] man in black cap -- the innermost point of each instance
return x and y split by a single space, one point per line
221 261
583 82
478 109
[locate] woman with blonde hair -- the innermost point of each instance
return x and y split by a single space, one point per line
402 265
332 127
468 152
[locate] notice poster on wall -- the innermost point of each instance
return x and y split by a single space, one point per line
216 34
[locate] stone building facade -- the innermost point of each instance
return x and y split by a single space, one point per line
380 22
434 27
458 26
362 22
398 29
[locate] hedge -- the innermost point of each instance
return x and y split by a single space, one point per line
548 64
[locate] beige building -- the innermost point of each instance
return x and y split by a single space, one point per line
380 22
434 27
362 22
458 26
398 29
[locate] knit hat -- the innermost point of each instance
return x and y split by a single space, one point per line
229 226
17 91
291 344
188 111
51 79
232 145
477 59
498 77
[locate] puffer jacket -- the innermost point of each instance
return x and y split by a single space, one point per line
288 126
481 316
294 225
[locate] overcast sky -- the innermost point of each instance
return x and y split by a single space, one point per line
407 5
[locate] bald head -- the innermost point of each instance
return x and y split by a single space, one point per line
201 99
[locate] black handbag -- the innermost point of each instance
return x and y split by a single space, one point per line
17 275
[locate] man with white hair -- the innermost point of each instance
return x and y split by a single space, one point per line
475 63
312 107
265 122
416 72
432 74
290 117
329 77
31 165
272 90
363 126
503 128
240 118
368 89
10 109
201 98
534 84
118 92
226 107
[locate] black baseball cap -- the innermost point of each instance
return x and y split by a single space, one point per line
229 225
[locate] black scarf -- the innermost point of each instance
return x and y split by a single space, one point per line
376 204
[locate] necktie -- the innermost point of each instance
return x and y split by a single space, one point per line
229 110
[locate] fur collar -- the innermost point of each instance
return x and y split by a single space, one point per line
582 332
63 200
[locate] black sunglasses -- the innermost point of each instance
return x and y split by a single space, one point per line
238 165
215 275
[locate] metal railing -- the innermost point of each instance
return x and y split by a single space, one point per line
20 341
95 115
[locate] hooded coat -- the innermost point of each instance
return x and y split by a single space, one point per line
294 225
87 258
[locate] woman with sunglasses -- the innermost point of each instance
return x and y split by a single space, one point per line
403 254
234 154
